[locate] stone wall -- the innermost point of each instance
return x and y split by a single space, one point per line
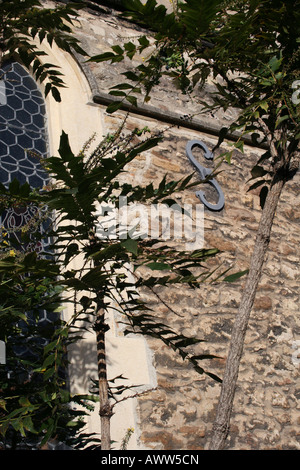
179 413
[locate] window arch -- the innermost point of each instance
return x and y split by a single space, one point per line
23 131
23 144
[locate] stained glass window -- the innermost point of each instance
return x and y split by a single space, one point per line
23 133
23 145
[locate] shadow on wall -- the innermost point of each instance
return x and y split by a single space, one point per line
83 365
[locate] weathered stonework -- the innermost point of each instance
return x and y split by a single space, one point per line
179 412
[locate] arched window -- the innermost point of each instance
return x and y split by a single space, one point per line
23 132
23 143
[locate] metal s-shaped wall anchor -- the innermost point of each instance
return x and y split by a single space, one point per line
204 172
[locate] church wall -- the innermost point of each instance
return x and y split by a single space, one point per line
178 410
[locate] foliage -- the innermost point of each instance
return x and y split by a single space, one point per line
253 71
22 22
87 182
248 51
35 403
233 44
35 400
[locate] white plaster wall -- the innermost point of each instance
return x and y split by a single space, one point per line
127 356
76 114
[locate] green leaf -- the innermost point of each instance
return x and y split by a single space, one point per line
130 49
131 76
30 259
14 187
112 107
258 171
49 428
264 105
56 94
25 190
144 41
103 57
275 63
239 145
18 426
117 93
49 373
130 245
122 86
48 361
158 266
28 425
132 100
234 277
50 346
3 404
118 49
281 119
24 401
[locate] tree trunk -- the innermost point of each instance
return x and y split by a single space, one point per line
222 421
105 411
100 327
